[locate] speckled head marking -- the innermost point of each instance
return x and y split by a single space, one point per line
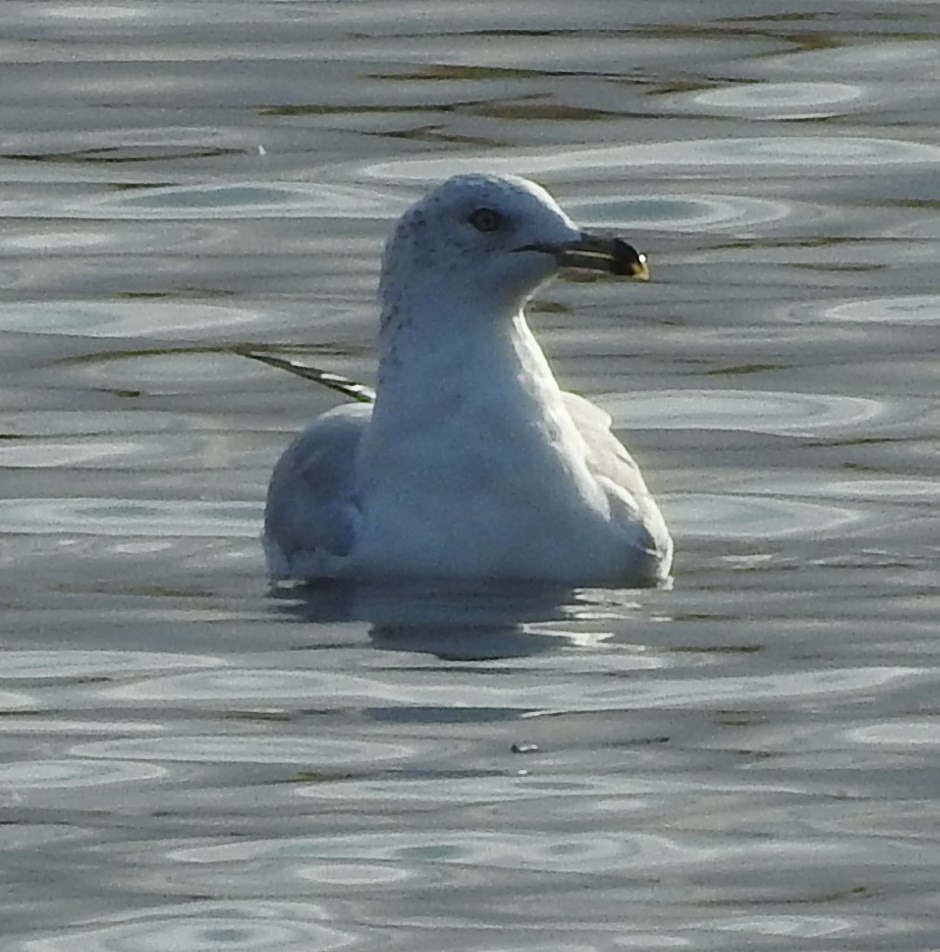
481 244
464 235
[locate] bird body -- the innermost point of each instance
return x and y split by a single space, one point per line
472 463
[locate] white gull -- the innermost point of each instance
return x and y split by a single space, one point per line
468 461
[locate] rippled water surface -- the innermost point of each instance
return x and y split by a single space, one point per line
748 760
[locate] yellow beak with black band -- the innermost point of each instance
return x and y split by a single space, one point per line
599 253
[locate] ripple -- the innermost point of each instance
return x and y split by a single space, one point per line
174 205
16 836
67 663
769 690
330 688
284 878
197 926
588 852
126 517
335 690
816 155
246 685
592 852
794 926
90 422
684 213
212 748
16 701
161 372
915 309
246 200
145 451
756 411
896 490
898 59
102 11
66 726
515 793
902 733
746 516
336 873
139 318
798 100
113 237
56 774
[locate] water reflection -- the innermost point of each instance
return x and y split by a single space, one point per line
455 621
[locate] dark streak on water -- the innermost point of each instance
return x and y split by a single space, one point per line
746 761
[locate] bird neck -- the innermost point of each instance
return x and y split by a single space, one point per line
450 360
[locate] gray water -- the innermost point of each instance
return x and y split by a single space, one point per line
748 760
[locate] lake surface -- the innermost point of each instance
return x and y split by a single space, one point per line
750 760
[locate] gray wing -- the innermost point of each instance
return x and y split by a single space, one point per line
615 469
312 515
607 455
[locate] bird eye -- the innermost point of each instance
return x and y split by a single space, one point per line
485 219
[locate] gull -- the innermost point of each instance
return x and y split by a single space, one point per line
468 461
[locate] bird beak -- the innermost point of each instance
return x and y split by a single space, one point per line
601 253
598 253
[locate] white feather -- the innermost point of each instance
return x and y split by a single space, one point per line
472 463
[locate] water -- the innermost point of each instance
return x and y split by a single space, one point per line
746 761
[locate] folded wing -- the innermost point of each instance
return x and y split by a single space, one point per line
312 515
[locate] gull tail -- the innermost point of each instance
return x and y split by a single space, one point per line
343 385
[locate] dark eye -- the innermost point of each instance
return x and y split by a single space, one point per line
485 219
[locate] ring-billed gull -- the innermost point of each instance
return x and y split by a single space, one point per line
468 461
